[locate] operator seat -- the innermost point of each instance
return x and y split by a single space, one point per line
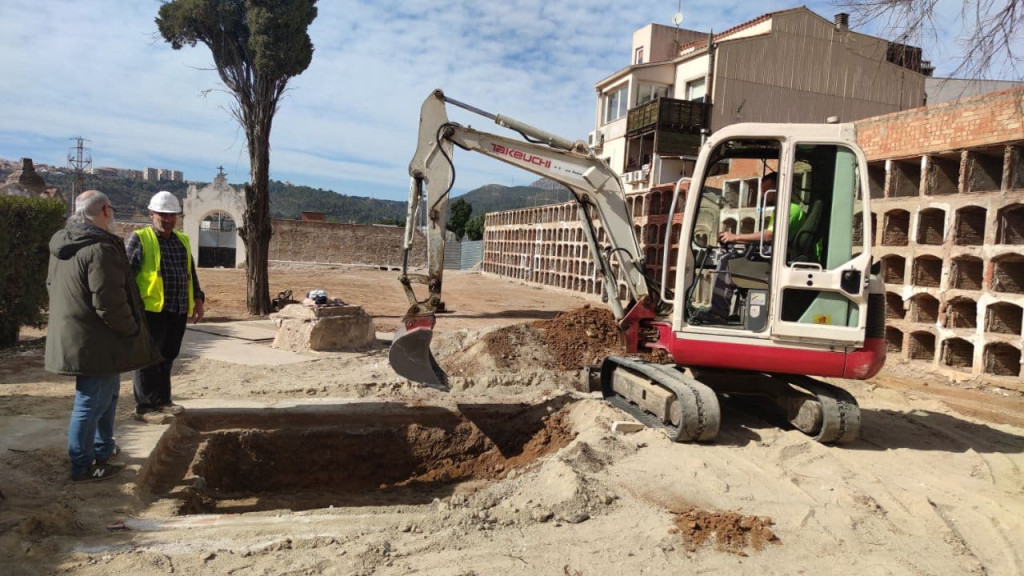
805 242
808 244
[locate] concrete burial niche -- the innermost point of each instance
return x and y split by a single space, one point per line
323 328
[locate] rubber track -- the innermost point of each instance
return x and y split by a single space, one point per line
840 412
698 402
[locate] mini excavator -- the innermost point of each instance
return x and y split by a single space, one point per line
760 322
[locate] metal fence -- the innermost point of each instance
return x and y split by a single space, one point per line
463 255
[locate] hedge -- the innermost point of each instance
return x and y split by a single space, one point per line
26 225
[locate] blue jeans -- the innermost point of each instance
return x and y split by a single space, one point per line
91 431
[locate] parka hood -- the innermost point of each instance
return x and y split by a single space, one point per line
67 242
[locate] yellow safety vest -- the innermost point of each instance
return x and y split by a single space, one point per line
149 279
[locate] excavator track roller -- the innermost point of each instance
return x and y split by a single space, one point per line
825 412
660 396
840 414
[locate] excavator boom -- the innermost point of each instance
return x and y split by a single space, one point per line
596 190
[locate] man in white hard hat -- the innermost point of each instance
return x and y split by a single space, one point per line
161 258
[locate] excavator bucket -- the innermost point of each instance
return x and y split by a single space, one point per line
410 354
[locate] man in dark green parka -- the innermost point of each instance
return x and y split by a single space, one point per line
96 329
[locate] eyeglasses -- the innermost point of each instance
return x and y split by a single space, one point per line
111 208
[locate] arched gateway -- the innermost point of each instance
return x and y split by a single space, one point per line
211 222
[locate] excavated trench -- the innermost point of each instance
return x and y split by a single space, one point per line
344 455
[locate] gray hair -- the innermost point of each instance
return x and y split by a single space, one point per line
88 205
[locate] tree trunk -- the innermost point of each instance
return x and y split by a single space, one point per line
257 230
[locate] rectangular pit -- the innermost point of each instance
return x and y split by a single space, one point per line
343 455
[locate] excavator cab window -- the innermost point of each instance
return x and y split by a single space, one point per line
788 224
733 199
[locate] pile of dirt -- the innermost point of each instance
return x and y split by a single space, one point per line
571 340
730 531
568 341
517 347
580 337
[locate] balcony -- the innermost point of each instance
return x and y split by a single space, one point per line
674 124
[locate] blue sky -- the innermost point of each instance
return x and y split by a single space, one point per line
99 70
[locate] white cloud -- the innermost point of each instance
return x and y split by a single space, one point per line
99 69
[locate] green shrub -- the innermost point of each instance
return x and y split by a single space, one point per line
26 225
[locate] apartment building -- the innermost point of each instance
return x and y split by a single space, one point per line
786 66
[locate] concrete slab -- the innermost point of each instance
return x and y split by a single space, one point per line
237 350
254 330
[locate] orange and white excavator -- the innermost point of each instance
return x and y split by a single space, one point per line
755 322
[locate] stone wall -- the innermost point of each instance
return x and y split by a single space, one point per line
331 243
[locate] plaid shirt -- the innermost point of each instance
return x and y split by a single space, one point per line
172 269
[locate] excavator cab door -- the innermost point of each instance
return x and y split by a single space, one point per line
727 286
821 285
803 278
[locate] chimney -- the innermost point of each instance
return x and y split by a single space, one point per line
926 67
842 21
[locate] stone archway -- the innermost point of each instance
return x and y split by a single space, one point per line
216 203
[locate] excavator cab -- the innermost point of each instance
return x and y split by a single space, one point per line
796 255
794 284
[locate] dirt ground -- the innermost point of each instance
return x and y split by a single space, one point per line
352 470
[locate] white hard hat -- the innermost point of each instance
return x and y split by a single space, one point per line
165 202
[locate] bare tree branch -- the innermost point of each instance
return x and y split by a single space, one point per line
991 32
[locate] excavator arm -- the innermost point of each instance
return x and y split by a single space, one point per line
596 189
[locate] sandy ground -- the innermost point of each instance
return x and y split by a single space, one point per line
935 485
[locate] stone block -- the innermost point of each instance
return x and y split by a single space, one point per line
624 427
324 328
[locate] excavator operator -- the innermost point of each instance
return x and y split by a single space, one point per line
721 300
769 183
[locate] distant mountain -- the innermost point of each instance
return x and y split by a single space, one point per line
130 198
290 201
498 198
547 184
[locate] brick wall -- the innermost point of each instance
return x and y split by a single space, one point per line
328 242
972 122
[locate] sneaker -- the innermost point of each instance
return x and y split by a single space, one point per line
172 408
154 417
98 472
117 450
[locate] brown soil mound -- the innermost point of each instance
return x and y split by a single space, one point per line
582 336
568 341
730 531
